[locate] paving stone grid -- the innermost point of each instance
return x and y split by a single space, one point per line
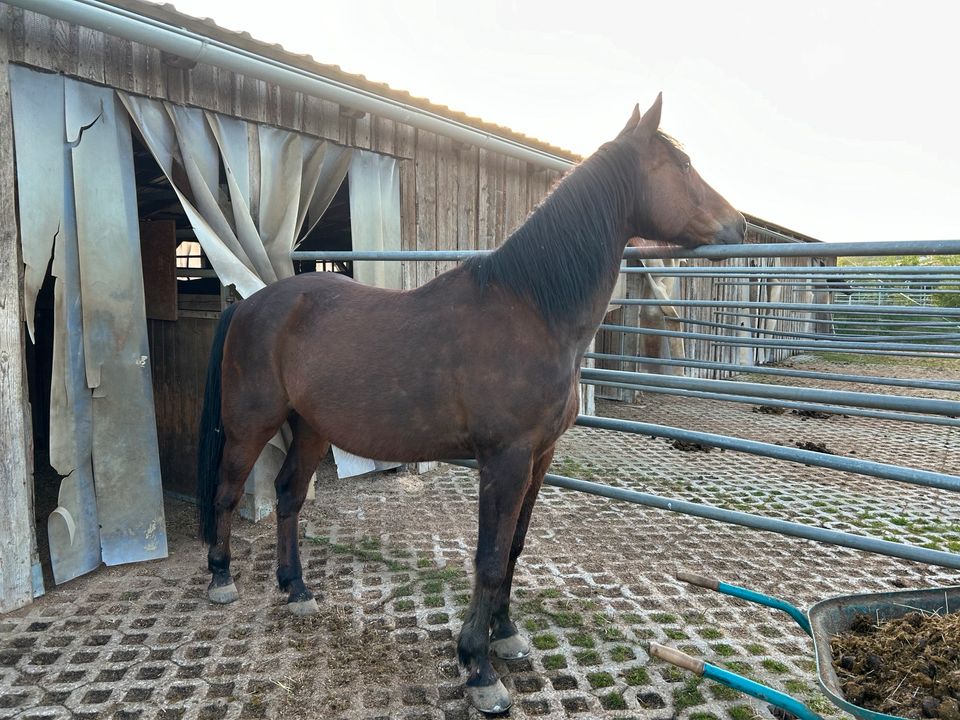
391 558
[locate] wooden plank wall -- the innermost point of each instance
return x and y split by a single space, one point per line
17 538
179 352
452 196
731 293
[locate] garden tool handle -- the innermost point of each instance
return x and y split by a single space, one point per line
749 595
676 657
698 580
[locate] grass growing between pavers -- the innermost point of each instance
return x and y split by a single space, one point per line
545 641
426 576
742 712
600 680
554 662
613 701
636 676
594 637
688 695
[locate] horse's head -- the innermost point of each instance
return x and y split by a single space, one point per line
674 203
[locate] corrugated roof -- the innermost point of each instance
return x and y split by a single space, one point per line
207 27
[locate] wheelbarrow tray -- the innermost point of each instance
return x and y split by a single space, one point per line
836 615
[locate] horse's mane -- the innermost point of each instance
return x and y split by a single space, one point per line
564 250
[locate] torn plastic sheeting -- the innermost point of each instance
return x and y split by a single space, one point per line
198 150
214 234
233 147
288 172
335 162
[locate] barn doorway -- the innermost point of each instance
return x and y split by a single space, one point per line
39 363
332 231
184 300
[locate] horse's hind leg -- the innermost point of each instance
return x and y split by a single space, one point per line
504 480
293 481
505 640
239 456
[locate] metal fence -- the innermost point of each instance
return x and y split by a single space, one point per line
767 302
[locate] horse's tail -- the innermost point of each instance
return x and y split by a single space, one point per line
212 439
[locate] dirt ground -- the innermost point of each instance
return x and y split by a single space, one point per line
390 557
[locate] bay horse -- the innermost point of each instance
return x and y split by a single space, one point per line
483 362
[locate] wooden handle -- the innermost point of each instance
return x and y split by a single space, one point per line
698 580
676 657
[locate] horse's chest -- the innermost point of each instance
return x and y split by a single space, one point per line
559 408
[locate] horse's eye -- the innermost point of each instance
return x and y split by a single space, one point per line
686 166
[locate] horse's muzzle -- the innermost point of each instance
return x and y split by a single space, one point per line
732 233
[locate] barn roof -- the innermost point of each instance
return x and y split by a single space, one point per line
168 14
772 230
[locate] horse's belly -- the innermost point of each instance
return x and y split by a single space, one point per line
390 431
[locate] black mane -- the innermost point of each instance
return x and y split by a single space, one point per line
566 248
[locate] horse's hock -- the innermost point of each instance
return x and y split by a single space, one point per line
391 557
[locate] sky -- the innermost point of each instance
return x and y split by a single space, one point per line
840 120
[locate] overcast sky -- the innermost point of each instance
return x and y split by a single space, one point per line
840 120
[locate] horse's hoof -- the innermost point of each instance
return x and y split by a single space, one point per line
223 594
490 699
303 608
514 647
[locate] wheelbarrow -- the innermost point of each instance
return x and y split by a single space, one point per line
822 621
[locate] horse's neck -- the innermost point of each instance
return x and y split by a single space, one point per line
565 258
583 327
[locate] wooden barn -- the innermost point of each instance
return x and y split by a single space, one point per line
162 167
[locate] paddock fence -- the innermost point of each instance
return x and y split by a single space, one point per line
696 323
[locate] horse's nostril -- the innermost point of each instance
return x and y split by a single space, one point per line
731 234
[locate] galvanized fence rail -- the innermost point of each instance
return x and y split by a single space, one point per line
760 311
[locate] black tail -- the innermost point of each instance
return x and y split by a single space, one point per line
212 437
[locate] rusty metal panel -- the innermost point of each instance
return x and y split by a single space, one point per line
49 224
125 451
37 100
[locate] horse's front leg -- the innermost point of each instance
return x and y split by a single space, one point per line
504 479
505 640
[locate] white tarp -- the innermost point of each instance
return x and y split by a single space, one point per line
375 216
249 227
374 225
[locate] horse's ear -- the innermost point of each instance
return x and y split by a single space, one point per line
632 122
650 123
